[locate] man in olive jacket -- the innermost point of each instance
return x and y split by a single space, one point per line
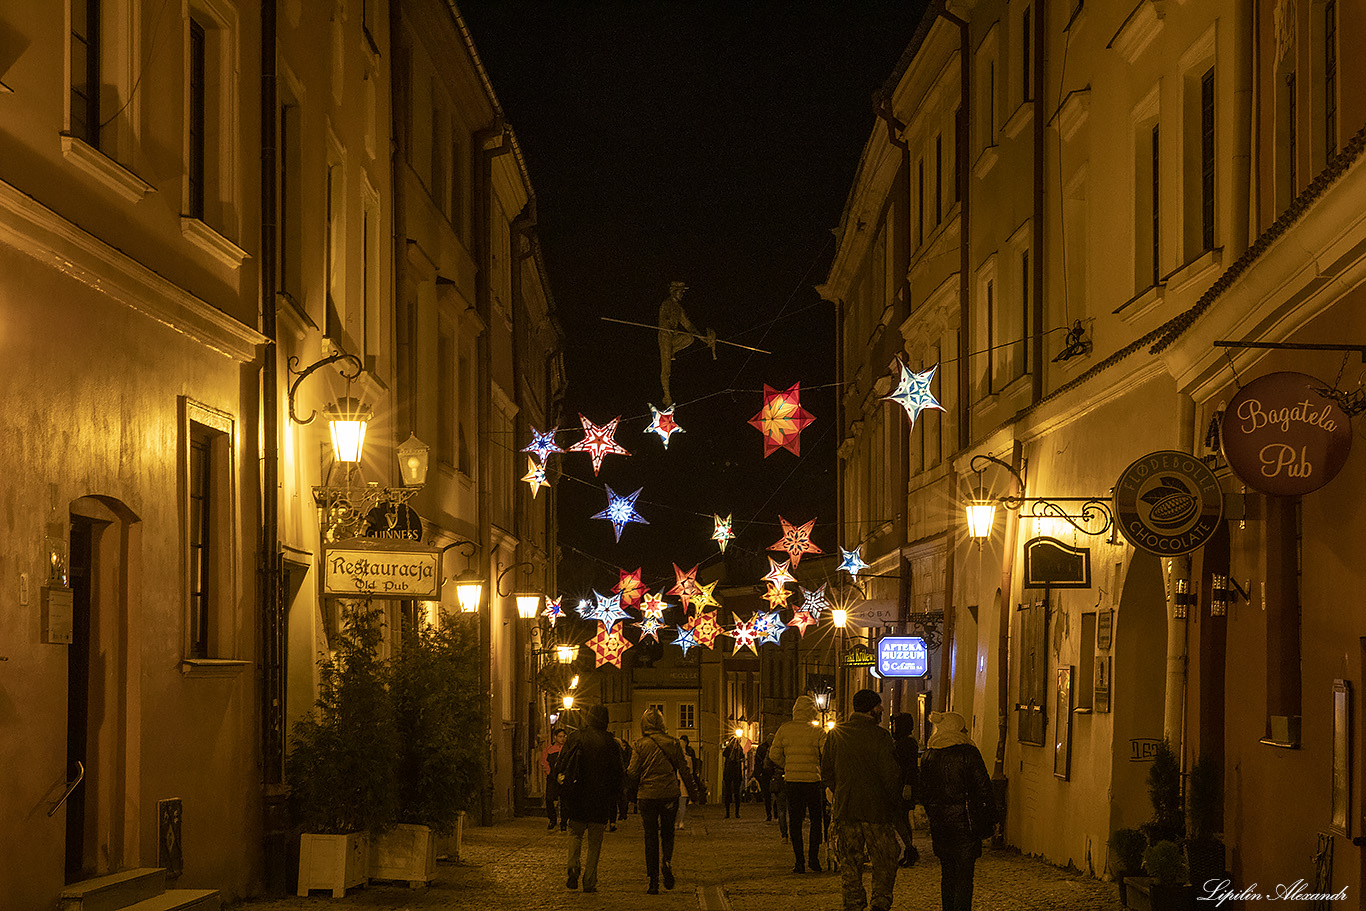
859 767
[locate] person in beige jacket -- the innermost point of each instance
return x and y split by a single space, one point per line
797 751
657 766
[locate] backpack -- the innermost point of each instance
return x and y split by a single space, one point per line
567 769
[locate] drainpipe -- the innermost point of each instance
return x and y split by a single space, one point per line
491 142
523 248
1036 308
405 317
1178 573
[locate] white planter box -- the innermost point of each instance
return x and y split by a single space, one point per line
448 846
405 853
333 862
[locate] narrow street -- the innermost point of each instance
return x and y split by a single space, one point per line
741 862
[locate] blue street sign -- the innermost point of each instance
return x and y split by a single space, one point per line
902 656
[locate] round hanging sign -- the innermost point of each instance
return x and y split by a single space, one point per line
1282 437
1168 503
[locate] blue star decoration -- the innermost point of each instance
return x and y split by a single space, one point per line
684 639
663 424
606 610
543 444
621 510
650 626
553 609
913 392
768 627
852 561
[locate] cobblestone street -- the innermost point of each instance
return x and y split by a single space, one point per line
737 863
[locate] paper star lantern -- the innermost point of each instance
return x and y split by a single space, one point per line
663 424
608 646
777 572
814 602
722 533
796 540
852 561
768 627
606 611
704 628
704 597
684 639
630 588
650 626
653 606
599 441
782 419
621 510
686 588
543 444
801 620
777 596
742 634
553 610
535 476
913 392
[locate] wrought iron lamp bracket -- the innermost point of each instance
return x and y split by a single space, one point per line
301 375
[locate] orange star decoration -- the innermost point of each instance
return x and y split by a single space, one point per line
630 587
535 476
653 606
609 645
778 573
599 441
801 620
687 587
796 541
704 628
782 420
777 596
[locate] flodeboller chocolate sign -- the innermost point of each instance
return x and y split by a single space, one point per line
1280 436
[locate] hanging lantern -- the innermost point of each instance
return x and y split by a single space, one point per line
469 590
981 515
528 605
566 654
347 420
412 461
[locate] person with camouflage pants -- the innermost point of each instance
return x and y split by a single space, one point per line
863 779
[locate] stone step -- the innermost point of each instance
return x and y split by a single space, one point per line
181 900
113 891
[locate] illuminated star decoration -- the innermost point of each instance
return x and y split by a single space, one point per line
777 596
723 533
599 441
653 606
585 607
704 628
814 602
782 419
606 611
913 392
663 423
801 620
630 587
852 561
535 476
685 639
621 510
743 634
768 627
686 587
650 626
795 540
777 573
553 610
543 444
704 597
608 646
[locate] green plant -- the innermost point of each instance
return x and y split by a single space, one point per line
440 724
1126 851
1202 798
1164 789
1164 863
342 765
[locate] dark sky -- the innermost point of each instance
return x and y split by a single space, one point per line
713 143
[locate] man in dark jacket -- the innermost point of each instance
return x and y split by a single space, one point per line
591 770
908 757
859 768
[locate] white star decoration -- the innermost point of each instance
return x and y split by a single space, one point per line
663 423
606 611
621 510
913 392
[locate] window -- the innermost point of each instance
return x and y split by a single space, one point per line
438 162
938 178
1287 151
687 716
1034 684
289 236
920 203
210 43
1026 38
201 539
207 529
1022 350
457 200
1147 196
1155 204
446 422
1330 76
84 74
1207 160
194 164
656 706
367 322
465 422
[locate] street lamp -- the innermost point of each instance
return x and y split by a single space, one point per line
566 654
528 605
347 419
1088 515
567 700
469 590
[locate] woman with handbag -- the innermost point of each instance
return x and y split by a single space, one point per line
657 766
956 791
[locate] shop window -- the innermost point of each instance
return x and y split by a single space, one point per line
207 527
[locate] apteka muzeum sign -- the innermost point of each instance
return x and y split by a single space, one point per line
368 568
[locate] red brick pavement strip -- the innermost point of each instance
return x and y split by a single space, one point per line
520 865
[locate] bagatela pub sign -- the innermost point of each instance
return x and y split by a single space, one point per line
376 568
1168 503
1281 436
902 656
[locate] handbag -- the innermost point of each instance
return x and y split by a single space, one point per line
689 784
981 817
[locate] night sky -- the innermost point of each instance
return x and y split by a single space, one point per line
712 143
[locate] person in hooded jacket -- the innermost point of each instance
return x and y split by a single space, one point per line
590 764
796 750
952 775
907 756
657 764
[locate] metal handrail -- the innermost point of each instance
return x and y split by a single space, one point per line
70 786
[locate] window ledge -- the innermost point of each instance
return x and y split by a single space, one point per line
1023 116
1283 744
211 242
212 667
1135 307
106 170
986 161
1206 263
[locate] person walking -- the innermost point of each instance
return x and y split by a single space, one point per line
763 773
550 755
956 791
907 756
623 806
657 764
859 768
590 785
796 750
732 775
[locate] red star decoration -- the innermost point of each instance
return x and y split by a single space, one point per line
687 587
609 645
630 587
796 541
801 620
704 628
599 441
782 419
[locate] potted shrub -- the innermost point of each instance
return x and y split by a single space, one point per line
343 760
1164 790
1204 849
439 720
1126 857
1165 888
